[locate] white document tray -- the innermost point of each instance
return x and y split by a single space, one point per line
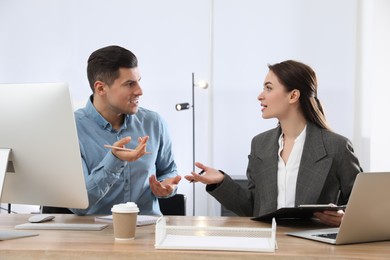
215 238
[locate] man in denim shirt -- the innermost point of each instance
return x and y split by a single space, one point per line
112 116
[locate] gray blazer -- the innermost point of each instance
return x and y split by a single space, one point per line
327 172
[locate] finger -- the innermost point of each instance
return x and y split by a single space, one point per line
170 182
201 166
166 190
153 179
143 139
123 141
177 179
199 176
196 177
159 188
332 221
141 150
142 146
189 177
153 183
328 219
334 213
341 212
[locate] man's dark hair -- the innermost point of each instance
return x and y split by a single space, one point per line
104 64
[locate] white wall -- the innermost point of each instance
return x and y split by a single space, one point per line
227 42
380 87
374 84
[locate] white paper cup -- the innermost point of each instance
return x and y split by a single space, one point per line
124 220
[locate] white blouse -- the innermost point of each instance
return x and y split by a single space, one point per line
288 173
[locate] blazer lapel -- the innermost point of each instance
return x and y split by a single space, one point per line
268 154
314 167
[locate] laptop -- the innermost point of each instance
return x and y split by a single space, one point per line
367 216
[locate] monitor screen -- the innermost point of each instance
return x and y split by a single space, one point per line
40 162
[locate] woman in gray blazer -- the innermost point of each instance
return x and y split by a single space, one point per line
301 161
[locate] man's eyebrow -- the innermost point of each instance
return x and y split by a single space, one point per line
132 80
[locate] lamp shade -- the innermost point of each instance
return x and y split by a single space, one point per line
182 106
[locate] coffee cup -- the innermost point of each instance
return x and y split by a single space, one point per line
124 217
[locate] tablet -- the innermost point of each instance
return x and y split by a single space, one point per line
300 212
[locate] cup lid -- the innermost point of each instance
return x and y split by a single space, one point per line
128 207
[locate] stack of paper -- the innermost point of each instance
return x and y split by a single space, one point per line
142 220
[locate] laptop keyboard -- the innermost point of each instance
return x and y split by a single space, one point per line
329 235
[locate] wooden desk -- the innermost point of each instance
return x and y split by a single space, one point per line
53 244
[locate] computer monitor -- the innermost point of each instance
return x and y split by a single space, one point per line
40 162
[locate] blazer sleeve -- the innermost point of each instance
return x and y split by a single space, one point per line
349 168
232 196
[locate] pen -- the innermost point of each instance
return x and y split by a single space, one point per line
201 173
117 148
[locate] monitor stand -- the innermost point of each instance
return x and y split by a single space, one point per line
4 155
8 234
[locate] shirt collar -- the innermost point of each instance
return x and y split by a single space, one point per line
300 138
95 115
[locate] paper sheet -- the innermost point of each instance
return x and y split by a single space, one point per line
142 220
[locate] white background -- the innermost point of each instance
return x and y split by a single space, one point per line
226 42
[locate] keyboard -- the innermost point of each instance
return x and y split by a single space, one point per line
329 235
62 226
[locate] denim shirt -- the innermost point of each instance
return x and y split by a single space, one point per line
110 180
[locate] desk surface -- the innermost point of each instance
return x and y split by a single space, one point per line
56 244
